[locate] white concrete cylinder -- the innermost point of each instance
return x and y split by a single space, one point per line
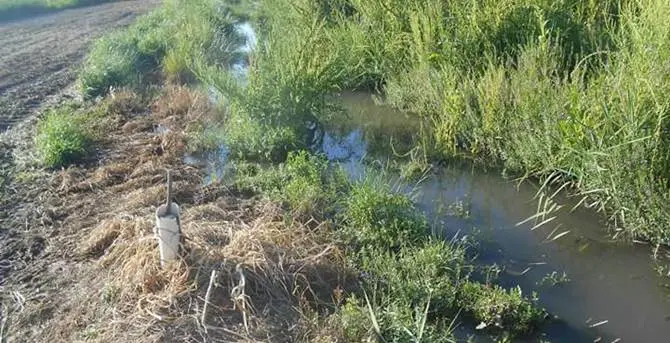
168 232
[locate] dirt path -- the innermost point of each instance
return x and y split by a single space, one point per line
39 55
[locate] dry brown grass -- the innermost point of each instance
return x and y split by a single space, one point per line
267 270
125 103
101 278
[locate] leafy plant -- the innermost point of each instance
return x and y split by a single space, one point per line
304 182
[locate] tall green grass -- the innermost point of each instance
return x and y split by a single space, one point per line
570 92
164 43
288 89
596 122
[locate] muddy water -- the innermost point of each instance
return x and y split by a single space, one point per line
613 293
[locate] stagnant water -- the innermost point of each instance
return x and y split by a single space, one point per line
613 294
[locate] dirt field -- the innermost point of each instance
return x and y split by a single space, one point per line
39 56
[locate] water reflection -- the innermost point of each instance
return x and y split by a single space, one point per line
611 283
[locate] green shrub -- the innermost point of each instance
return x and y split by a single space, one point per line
62 137
374 217
500 309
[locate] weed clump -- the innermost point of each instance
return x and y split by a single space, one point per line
66 133
251 140
418 274
304 182
62 137
497 308
376 217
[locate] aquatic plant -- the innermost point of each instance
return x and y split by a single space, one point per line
376 217
304 182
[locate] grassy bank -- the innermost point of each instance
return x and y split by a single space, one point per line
569 92
293 245
15 9
164 44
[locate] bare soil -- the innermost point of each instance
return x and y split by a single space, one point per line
39 56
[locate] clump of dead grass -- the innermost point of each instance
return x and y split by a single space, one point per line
181 101
125 103
200 121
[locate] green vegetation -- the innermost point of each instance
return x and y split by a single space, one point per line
303 182
249 138
498 307
570 92
62 136
13 9
567 91
413 286
66 133
169 39
376 217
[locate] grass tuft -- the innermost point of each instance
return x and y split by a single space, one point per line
62 137
378 218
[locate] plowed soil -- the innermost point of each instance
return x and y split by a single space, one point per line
39 56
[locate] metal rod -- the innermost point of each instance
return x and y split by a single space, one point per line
169 193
